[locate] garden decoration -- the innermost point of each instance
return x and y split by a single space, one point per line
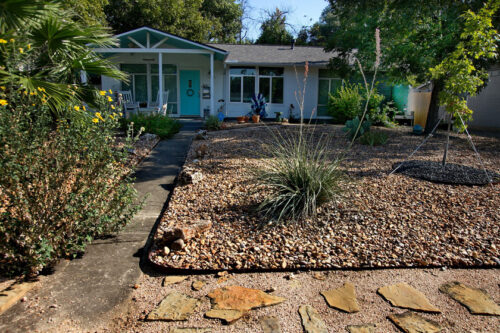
278 116
220 114
258 106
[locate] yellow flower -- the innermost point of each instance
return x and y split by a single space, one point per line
2 87
12 40
121 114
21 50
110 92
25 92
3 102
29 46
84 108
77 108
112 106
31 93
3 41
39 89
98 115
102 93
95 120
110 99
111 116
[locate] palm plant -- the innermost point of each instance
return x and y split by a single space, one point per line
45 51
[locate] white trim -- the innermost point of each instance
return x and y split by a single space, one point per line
174 37
144 50
136 42
212 104
147 40
160 80
159 43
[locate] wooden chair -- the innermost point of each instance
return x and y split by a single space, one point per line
156 104
129 105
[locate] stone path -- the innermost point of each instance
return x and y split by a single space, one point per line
84 293
404 300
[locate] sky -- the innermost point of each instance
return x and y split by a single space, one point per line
301 12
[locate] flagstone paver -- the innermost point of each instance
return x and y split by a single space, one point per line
405 296
364 328
241 298
176 306
229 316
311 320
190 330
410 322
173 279
476 300
270 324
343 298
197 285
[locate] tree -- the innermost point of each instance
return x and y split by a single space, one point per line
199 20
273 29
89 12
415 38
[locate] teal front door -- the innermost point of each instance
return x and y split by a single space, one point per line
190 92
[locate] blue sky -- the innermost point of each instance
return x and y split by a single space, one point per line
301 12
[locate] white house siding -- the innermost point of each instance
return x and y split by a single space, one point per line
182 61
292 83
486 105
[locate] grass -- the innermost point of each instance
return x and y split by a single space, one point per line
163 126
373 139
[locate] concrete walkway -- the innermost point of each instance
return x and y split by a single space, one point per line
84 293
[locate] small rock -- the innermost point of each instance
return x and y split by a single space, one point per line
411 322
190 330
136 286
270 290
221 273
343 298
319 276
173 279
229 316
240 298
270 324
364 328
53 306
177 245
186 231
175 306
201 151
189 176
166 250
24 299
197 285
311 320
290 276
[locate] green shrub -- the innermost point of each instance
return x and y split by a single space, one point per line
373 138
351 126
62 182
298 178
346 103
163 126
213 123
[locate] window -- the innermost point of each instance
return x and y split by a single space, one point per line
242 84
271 84
327 85
169 83
138 81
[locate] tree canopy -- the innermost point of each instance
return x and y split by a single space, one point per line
274 29
199 20
415 38
89 12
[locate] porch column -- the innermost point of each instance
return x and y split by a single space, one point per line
160 81
212 105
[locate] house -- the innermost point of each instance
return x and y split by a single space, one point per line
206 78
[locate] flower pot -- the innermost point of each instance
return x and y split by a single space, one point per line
240 120
246 118
255 118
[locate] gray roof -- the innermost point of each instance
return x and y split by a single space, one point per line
251 54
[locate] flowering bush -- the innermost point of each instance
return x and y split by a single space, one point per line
62 183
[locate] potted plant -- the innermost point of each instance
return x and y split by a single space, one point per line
258 107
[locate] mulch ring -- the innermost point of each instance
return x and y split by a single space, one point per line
380 221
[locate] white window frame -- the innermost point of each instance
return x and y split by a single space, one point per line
270 77
241 76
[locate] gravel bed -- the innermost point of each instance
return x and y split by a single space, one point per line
380 221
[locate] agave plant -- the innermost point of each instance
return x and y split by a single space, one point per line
44 50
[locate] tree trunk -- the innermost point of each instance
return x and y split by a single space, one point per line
447 144
433 115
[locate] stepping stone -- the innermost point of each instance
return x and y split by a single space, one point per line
410 322
229 316
270 324
197 285
173 279
311 321
190 330
404 296
174 307
240 298
364 328
13 294
343 298
476 300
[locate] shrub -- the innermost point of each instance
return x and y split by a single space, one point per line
373 138
213 123
346 103
62 183
163 126
299 177
351 127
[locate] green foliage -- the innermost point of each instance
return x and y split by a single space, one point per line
89 12
351 127
43 49
213 123
61 183
459 71
163 126
373 138
299 177
273 29
199 20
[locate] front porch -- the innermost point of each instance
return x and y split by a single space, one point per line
182 70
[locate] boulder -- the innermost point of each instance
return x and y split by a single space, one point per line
189 176
186 232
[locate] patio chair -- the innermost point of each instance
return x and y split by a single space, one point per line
156 103
128 102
